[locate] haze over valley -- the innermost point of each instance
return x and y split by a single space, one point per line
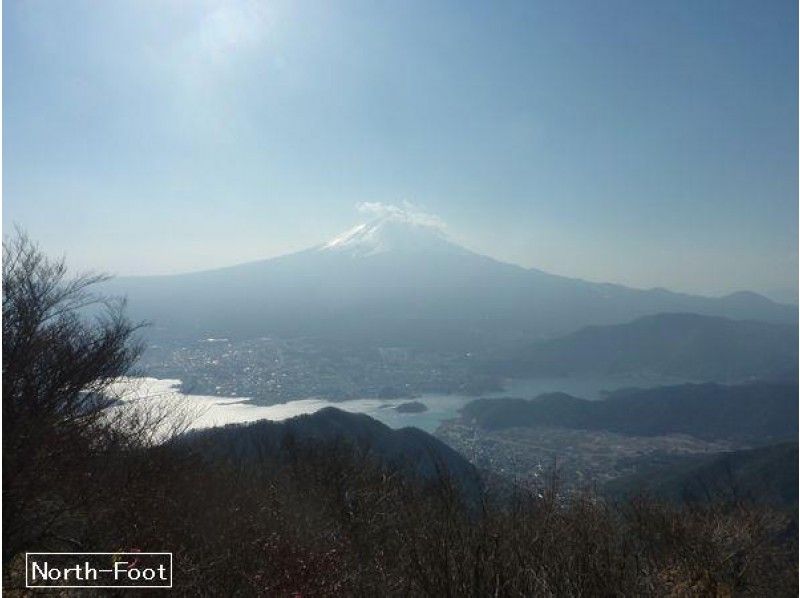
393 320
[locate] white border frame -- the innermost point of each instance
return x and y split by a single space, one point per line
169 587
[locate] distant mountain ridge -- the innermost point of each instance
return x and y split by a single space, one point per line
686 346
397 282
754 413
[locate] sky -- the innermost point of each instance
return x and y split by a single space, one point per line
647 143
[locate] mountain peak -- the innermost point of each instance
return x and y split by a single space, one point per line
391 233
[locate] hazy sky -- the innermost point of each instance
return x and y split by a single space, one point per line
647 143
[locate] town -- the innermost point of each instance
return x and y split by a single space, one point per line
271 370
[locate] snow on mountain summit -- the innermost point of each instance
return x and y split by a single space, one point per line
391 234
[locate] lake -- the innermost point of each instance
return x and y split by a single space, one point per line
209 411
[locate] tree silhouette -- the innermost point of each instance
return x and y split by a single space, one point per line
63 344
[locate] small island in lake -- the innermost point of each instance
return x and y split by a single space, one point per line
411 407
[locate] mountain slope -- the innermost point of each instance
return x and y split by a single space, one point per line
687 346
409 449
398 282
763 475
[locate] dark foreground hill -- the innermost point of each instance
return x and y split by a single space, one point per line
756 413
679 345
766 475
408 449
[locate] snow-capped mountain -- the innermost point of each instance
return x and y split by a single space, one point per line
395 281
391 233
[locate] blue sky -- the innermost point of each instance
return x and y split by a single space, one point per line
646 143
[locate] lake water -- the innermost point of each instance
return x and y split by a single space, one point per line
208 411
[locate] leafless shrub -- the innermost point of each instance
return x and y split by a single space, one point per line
144 419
